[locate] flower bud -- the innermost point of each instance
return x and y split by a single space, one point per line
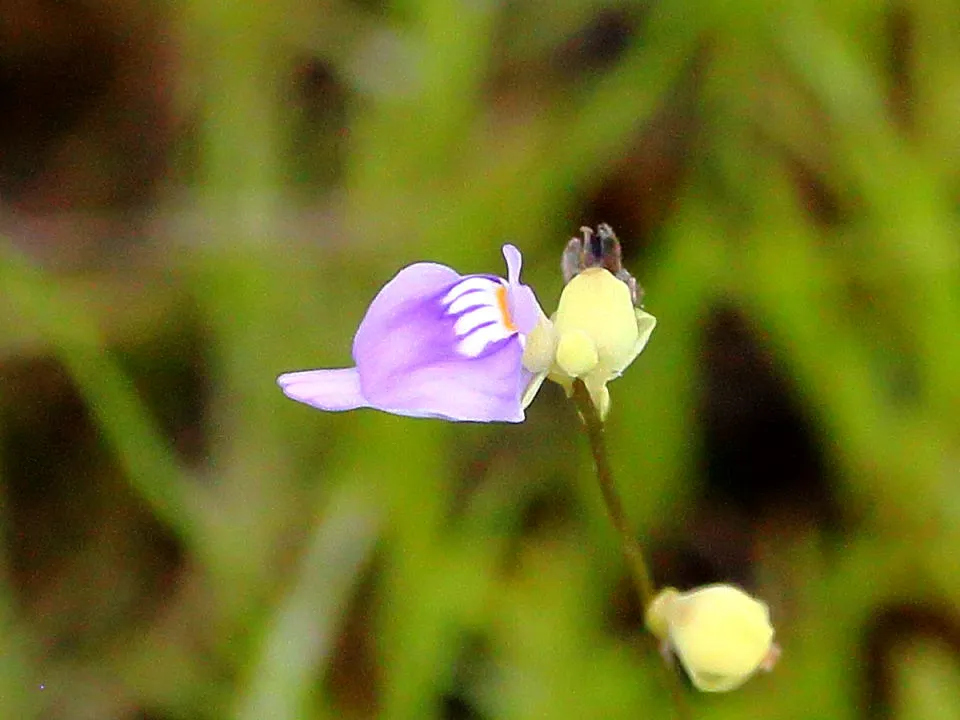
721 635
594 335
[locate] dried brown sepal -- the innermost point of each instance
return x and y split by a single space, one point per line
598 248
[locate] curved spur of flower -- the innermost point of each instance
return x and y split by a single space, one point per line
594 335
435 344
721 635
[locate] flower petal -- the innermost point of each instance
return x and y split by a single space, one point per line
325 389
576 353
525 311
418 356
514 263
541 347
645 325
533 387
407 287
598 304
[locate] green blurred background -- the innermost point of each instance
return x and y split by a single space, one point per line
197 196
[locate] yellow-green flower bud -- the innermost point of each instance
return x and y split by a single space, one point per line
721 634
594 335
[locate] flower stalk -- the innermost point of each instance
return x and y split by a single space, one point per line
593 426
640 574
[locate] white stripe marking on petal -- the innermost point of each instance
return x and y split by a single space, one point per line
475 318
477 341
468 284
469 300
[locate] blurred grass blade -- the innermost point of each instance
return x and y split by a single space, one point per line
146 459
301 635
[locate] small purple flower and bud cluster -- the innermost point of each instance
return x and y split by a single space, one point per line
438 344
476 348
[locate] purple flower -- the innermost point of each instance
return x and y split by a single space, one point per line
435 344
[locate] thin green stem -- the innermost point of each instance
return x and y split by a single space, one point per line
639 571
593 425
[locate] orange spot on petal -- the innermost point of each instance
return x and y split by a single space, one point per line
505 308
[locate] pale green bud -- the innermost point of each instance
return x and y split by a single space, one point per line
594 335
721 635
